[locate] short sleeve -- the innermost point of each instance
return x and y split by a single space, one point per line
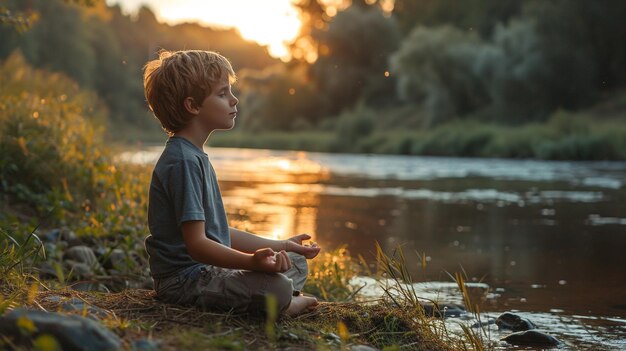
185 188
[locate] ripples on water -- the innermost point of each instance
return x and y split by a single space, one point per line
546 238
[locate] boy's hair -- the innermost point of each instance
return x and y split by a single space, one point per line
177 75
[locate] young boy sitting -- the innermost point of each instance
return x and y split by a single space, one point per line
195 258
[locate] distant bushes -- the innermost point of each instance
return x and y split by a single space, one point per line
565 136
52 155
46 142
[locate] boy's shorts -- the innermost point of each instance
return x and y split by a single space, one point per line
239 291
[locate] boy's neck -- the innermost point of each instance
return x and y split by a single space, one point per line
195 136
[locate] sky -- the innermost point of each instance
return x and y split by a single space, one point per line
268 22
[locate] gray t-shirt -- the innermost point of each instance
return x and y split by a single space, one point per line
183 188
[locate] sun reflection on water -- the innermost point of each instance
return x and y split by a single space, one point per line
273 196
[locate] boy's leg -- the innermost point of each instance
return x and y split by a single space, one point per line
299 270
237 290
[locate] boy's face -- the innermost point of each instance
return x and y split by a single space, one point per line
219 109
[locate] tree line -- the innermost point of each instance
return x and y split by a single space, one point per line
503 61
103 49
363 66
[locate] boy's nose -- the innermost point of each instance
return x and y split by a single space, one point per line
234 101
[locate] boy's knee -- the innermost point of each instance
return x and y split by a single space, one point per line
300 263
282 290
299 271
278 286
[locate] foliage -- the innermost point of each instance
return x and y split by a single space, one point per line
53 159
47 144
330 275
479 16
17 258
435 69
445 66
103 49
353 58
278 98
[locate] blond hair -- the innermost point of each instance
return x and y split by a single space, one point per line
177 75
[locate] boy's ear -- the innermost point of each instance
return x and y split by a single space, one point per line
190 105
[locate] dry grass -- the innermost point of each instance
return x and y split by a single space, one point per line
136 314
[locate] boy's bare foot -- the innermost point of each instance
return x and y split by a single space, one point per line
300 304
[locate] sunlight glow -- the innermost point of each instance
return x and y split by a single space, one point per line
273 23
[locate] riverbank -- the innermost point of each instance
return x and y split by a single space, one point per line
564 137
104 286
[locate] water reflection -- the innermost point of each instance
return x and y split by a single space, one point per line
544 236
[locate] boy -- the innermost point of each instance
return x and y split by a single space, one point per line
195 258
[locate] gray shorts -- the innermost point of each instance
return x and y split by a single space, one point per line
224 289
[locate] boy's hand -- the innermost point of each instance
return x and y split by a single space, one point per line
294 244
267 260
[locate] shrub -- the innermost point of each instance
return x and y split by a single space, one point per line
49 152
53 158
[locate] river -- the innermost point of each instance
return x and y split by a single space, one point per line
545 238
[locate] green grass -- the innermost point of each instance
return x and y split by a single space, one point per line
319 141
565 136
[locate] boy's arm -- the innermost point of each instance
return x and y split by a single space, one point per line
205 250
247 242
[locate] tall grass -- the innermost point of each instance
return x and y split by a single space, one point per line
18 254
330 275
398 287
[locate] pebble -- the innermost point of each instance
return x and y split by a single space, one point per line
447 310
145 345
332 337
76 304
71 332
82 254
362 348
511 321
533 338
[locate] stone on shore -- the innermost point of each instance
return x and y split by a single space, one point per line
513 322
71 332
532 338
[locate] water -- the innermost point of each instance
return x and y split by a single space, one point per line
546 238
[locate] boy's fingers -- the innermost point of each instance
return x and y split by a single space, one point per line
266 252
286 262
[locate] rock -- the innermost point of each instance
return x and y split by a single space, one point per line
362 348
76 304
145 345
71 332
89 286
82 254
70 237
445 310
147 283
46 271
59 235
117 260
79 270
532 338
513 322
332 337
51 236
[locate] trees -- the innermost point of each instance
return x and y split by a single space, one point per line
436 70
353 57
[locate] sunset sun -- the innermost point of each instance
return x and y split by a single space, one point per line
273 23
